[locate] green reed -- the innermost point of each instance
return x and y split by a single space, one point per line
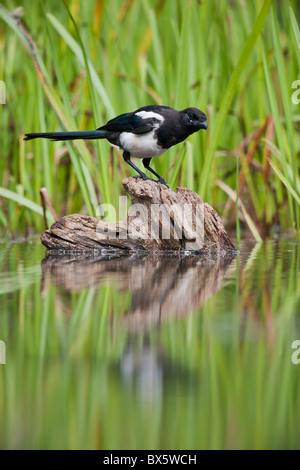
74 66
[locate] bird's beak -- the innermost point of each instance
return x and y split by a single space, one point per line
204 125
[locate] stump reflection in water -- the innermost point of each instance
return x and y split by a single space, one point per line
162 287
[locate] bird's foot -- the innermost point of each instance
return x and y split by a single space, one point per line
163 181
143 177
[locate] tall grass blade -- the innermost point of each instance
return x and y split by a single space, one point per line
23 201
295 26
75 47
286 182
230 92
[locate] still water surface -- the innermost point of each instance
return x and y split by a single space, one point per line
159 353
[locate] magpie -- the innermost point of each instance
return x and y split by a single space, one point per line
145 133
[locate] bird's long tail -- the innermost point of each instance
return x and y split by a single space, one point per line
97 134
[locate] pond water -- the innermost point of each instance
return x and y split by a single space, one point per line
159 353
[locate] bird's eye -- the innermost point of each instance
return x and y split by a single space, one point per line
191 117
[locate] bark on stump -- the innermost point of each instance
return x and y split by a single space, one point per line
161 220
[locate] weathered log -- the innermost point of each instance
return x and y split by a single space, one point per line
159 219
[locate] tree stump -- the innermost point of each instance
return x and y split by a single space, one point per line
159 219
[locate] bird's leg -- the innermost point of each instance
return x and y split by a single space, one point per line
146 163
126 156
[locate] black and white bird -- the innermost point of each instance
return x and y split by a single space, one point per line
145 133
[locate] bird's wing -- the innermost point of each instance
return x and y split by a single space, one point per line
130 122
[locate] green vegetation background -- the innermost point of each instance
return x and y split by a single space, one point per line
74 65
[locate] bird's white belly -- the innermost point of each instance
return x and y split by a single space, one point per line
141 145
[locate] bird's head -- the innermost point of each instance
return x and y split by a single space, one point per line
194 119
